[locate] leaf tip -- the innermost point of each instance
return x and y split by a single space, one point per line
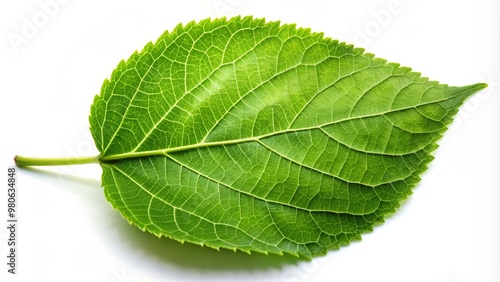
479 86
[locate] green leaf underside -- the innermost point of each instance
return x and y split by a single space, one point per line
263 137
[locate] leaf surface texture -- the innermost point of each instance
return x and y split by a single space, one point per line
257 136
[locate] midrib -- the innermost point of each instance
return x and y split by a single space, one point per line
164 152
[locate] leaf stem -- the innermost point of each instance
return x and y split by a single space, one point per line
26 161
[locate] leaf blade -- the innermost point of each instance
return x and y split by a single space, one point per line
298 128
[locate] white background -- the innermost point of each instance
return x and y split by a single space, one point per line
448 231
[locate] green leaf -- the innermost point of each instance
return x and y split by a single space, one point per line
264 137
